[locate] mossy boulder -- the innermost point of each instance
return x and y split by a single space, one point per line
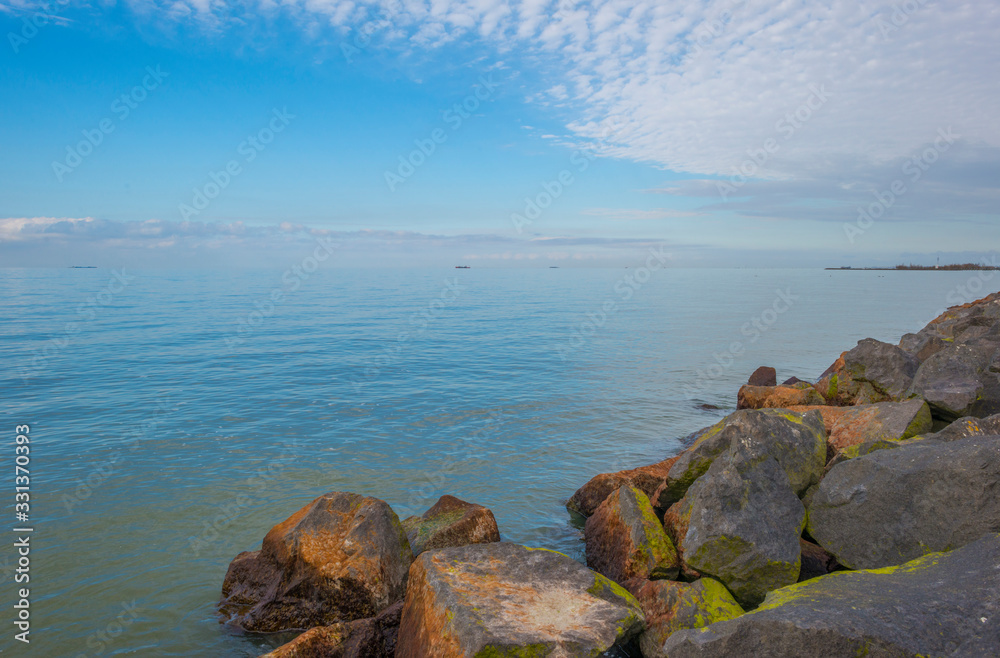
341 557
741 523
502 599
648 479
451 522
891 506
374 637
891 421
797 441
671 606
943 604
626 540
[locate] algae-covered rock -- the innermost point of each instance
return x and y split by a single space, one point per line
374 637
891 421
625 539
743 521
645 478
943 604
797 441
891 506
451 522
503 599
777 397
670 607
341 557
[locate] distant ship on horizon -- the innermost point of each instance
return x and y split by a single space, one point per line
463 267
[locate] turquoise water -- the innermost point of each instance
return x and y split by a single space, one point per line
165 441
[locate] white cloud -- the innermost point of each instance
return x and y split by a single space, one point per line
695 85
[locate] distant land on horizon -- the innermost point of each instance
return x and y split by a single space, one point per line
949 268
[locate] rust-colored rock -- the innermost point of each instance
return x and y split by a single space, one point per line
374 637
340 558
777 397
625 539
645 478
501 599
451 522
889 421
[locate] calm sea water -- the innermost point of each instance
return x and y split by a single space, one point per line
164 441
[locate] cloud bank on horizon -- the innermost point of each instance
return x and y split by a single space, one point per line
781 111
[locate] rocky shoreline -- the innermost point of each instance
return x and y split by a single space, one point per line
854 515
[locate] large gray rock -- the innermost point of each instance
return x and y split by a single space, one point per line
961 380
891 506
797 441
341 557
503 599
888 368
625 539
741 523
943 604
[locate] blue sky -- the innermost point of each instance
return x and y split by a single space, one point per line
119 121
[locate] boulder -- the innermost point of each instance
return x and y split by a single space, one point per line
888 368
891 506
374 637
922 346
502 599
968 426
763 376
741 523
451 522
645 478
777 397
891 421
961 380
798 441
341 557
670 607
625 539
943 604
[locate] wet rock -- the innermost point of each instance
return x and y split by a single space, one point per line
670 607
891 506
961 380
798 441
777 397
763 376
451 522
741 524
816 561
374 637
625 539
340 558
943 604
891 421
502 599
645 478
